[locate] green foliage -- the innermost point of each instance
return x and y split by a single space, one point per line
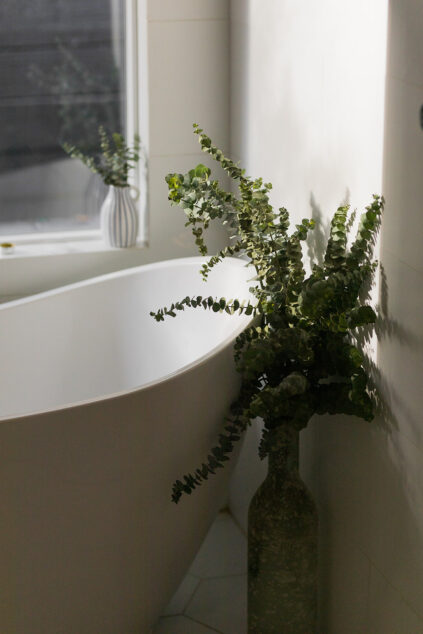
114 162
297 359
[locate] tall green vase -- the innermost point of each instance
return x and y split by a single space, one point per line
282 545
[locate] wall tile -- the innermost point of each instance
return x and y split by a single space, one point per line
370 497
343 454
402 229
344 585
240 10
405 50
371 492
188 77
400 352
187 9
240 87
394 542
387 612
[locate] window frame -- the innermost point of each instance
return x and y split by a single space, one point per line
136 81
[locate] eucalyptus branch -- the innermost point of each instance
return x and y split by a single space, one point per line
221 305
233 431
297 358
115 161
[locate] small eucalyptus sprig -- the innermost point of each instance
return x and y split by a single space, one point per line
298 358
114 162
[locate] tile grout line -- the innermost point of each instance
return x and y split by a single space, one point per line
402 434
403 262
212 629
373 564
397 590
192 595
238 525
179 20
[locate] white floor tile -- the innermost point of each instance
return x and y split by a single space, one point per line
181 625
219 599
182 596
224 551
221 604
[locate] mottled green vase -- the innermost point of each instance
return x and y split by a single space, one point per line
282 545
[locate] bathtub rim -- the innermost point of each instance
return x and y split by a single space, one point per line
244 322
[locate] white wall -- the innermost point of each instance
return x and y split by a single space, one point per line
397 459
188 81
307 113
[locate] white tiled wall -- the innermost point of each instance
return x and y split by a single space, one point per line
399 568
188 60
189 74
388 611
307 112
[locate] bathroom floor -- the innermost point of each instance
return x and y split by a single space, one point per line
212 597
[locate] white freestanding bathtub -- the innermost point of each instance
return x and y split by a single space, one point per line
101 409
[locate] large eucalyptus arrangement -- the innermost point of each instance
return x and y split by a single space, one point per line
298 358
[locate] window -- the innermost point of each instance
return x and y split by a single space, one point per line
62 74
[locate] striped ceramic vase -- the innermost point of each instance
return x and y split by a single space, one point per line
119 218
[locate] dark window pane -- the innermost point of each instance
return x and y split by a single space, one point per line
61 76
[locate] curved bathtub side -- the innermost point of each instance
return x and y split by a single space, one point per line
91 541
97 338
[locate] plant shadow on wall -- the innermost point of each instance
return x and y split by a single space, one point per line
379 470
382 392
367 468
383 327
393 414
317 239
297 359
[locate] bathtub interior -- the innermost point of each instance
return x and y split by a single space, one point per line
97 338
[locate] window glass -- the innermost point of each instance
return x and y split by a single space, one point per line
62 74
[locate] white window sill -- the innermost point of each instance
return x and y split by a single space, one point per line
34 267
29 249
